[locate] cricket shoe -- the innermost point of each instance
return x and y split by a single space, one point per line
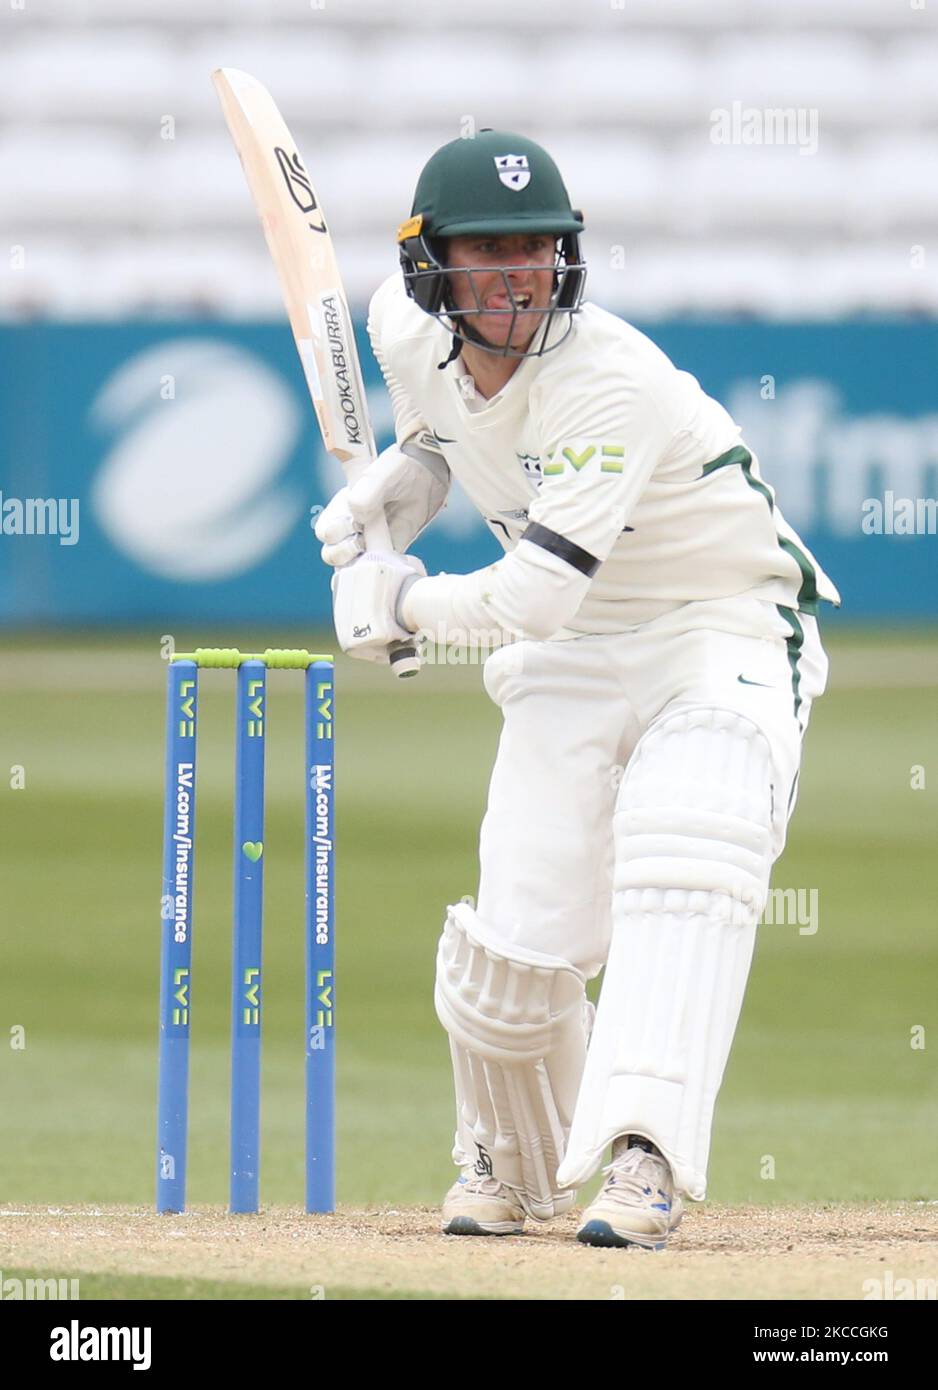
636 1204
481 1206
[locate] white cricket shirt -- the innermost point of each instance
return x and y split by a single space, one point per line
604 444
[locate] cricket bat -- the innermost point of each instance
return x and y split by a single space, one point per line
300 244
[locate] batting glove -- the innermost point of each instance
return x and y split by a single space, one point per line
366 600
408 492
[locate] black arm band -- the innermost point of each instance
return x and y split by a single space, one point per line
574 554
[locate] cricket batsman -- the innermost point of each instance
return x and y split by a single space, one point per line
659 662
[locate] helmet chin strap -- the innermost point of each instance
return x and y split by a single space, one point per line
464 333
454 353
467 333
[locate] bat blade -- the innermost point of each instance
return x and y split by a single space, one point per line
303 254
304 258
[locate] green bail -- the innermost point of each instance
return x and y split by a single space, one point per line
229 658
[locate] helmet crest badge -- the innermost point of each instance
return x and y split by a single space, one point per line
513 171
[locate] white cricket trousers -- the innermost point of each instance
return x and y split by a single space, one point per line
573 712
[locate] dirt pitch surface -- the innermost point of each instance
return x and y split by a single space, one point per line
719 1252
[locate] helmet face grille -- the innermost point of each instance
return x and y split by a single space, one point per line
428 283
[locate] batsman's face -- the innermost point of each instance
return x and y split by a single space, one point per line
487 284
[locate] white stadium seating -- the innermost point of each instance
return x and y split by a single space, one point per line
120 183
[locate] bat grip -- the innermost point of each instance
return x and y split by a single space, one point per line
404 659
403 656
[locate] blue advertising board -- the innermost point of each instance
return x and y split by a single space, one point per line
170 471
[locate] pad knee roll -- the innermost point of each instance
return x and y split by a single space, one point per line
695 812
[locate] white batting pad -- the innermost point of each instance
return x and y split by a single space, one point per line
517 1022
693 855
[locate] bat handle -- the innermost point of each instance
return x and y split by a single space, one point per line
404 659
403 656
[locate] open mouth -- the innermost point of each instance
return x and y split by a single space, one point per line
504 303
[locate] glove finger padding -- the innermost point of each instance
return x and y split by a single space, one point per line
409 487
382 482
345 552
339 531
342 521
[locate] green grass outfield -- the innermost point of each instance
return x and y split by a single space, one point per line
823 1077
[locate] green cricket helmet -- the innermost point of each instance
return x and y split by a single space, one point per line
500 183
